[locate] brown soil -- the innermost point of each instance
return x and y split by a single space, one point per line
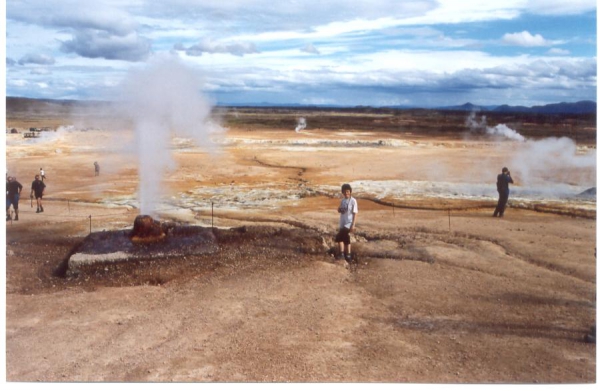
433 296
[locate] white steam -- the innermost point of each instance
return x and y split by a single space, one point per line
549 163
301 125
498 130
553 161
164 100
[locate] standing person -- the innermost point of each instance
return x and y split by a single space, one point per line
96 169
42 174
13 193
348 210
37 188
502 186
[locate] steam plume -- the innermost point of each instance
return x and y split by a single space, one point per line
164 100
301 125
498 130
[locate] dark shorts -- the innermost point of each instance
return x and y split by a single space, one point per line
343 236
38 195
13 200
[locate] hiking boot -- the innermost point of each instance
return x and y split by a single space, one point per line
38 210
340 257
16 218
348 258
41 209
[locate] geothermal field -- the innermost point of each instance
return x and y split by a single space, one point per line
239 284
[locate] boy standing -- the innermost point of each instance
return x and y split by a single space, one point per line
348 210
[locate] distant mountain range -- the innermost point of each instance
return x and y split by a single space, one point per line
581 107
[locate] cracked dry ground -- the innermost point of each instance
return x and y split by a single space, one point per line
489 301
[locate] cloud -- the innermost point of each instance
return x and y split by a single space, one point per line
102 31
73 14
558 52
98 44
560 7
10 62
209 46
38 59
40 71
524 38
309 48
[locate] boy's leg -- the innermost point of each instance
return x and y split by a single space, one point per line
348 253
341 250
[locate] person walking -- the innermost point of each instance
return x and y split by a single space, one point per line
37 189
96 169
502 182
13 193
42 174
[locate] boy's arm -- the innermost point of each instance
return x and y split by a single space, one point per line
354 214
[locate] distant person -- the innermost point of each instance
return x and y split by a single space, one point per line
502 186
96 169
42 174
348 210
13 193
37 189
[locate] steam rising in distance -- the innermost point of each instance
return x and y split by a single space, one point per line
301 125
499 130
543 162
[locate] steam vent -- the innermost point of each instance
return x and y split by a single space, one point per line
146 229
149 238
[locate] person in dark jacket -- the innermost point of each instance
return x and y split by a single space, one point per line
13 192
37 189
502 186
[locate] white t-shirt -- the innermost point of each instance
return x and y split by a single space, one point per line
349 206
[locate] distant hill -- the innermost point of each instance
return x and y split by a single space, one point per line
467 107
582 107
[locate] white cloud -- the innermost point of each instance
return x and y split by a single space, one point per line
524 38
309 48
95 44
209 46
18 82
560 7
558 52
40 71
38 59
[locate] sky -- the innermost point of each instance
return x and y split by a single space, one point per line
420 53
